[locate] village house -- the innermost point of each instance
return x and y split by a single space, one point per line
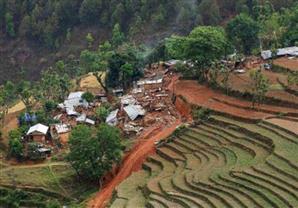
38 133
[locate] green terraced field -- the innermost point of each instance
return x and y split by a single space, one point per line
223 163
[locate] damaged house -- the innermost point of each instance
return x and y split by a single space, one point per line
134 111
74 100
151 83
112 119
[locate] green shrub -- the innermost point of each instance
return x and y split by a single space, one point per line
179 130
88 96
49 106
201 114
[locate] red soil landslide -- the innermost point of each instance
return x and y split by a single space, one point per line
203 96
133 162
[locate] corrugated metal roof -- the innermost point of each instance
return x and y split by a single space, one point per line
75 95
62 128
40 128
133 111
81 118
112 118
89 121
128 100
292 51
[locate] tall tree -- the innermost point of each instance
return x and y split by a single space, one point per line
260 86
243 32
7 95
93 154
204 46
117 36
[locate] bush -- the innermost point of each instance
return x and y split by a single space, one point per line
88 96
201 114
102 113
179 130
15 144
49 106
33 153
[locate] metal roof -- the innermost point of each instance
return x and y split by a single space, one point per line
74 100
133 111
81 118
75 95
112 118
154 80
40 128
62 128
292 51
128 100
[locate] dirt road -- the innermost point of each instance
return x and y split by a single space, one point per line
133 162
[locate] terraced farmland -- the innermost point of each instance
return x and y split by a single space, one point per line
223 163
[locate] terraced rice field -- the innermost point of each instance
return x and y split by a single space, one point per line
222 163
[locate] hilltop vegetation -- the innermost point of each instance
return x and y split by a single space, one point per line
35 34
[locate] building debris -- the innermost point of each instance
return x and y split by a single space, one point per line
128 100
118 92
83 119
62 128
74 100
112 118
171 63
134 111
129 128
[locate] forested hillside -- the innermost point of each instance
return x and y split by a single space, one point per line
36 33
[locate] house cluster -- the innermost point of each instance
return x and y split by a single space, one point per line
148 103
74 110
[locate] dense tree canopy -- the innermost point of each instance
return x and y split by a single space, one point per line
94 152
243 32
202 47
49 22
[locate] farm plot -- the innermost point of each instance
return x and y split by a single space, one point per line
56 179
221 163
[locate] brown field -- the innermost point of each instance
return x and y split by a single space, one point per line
284 62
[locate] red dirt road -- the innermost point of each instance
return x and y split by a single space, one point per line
133 162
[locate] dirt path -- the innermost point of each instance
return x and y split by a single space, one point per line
133 162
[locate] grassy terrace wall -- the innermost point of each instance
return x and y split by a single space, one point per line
221 163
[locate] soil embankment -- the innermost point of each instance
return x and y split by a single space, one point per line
203 96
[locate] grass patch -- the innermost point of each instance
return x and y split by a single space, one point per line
56 178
